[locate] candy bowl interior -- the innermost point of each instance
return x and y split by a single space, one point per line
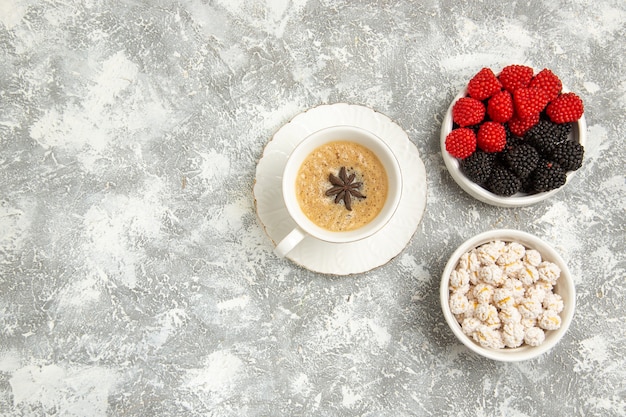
564 288
477 191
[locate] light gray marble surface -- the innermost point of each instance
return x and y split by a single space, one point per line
136 278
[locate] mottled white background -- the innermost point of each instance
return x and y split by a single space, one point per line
136 279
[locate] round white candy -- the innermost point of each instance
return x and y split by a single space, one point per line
532 257
553 302
530 308
549 320
512 252
458 303
549 272
483 293
534 336
491 274
488 314
510 315
513 334
488 337
459 280
470 324
503 298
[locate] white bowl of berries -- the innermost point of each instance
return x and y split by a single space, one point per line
515 138
507 295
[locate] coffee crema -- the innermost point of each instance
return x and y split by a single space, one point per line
312 183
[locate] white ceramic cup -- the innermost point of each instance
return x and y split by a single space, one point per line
304 226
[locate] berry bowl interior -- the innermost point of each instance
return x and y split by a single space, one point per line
564 288
519 199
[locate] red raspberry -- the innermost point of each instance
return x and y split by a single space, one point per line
513 77
529 102
461 142
483 85
468 111
567 107
519 127
500 107
491 137
546 80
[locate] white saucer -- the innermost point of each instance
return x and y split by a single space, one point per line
343 258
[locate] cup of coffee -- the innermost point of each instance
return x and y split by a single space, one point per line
340 184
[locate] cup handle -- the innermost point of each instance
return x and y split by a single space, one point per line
289 242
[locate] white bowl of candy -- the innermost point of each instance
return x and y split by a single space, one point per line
507 295
514 138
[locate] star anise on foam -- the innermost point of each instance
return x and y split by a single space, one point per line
344 188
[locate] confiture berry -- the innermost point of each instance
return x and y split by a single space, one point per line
513 77
569 155
567 107
545 135
547 176
521 159
548 82
529 102
500 107
483 85
477 167
468 111
503 182
519 127
461 142
491 137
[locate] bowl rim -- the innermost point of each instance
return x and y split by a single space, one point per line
518 200
547 252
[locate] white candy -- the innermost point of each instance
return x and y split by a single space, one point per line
528 323
469 325
459 281
473 276
513 334
549 272
487 254
553 302
534 336
503 298
530 308
469 262
532 257
512 252
544 285
536 293
483 293
527 274
471 310
510 315
549 320
458 303
516 287
491 274
488 337
488 314
511 270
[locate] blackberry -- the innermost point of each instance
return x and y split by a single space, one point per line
547 176
477 167
569 155
527 185
521 159
511 141
503 181
545 135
